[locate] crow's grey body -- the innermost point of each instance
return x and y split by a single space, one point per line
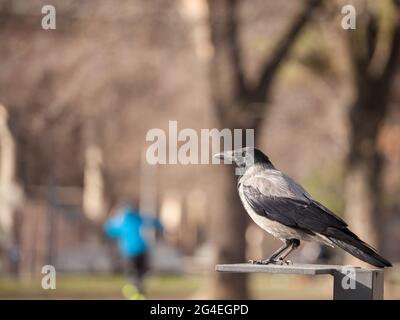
273 183
284 209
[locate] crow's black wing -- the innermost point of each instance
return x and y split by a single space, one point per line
296 213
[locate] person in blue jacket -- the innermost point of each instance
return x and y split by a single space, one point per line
127 226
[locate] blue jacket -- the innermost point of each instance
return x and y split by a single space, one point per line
127 226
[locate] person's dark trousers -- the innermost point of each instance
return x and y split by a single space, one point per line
137 266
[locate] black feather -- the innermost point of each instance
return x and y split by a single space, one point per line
363 252
352 244
303 214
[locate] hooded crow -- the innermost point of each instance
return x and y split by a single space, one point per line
284 209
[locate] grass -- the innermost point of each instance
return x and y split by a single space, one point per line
172 287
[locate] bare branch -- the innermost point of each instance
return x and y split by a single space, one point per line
224 33
272 64
393 60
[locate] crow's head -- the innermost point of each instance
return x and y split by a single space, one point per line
244 157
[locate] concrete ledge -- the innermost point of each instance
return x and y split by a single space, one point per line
296 268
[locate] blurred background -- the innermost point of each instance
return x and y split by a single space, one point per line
77 102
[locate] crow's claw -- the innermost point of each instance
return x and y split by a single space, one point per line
281 262
270 261
265 262
255 261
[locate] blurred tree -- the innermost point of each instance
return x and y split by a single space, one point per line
374 51
239 104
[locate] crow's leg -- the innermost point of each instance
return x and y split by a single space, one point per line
274 258
294 245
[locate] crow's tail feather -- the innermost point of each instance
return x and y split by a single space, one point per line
349 242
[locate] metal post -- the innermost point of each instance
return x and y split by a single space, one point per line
368 285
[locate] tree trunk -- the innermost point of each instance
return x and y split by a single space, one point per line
239 105
229 229
363 179
363 189
227 91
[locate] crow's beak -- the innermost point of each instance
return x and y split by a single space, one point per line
227 155
219 156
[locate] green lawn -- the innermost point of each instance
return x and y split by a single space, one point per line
172 287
